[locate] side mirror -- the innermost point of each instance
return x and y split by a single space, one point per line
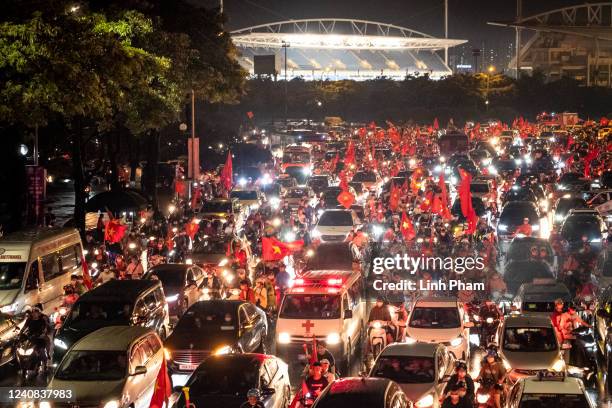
267 391
348 314
139 370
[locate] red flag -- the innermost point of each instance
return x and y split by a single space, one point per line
197 195
180 188
114 231
395 197
407 229
86 276
591 155
603 121
346 199
343 182
192 228
465 197
163 388
250 115
295 246
227 173
349 157
436 126
445 212
273 249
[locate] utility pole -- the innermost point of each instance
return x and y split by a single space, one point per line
192 169
446 31
517 40
286 45
221 6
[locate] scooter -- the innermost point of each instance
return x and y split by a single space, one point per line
582 361
31 355
377 336
488 330
485 395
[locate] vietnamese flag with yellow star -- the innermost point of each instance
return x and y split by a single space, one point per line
273 249
406 228
114 231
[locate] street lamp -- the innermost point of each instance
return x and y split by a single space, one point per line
491 70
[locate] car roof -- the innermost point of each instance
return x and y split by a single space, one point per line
569 385
111 338
555 287
414 349
527 321
171 267
121 289
360 385
433 301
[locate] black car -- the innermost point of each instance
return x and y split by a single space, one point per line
519 193
362 392
513 214
520 249
215 327
180 283
565 204
330 196
115 303
224 380
10 327
583 223
518 272
318 183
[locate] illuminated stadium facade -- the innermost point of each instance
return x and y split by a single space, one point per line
343 49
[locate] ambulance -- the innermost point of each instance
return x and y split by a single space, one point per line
323 306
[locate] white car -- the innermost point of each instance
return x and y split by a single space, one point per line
115 366
335 225
440 320
420 369
549 390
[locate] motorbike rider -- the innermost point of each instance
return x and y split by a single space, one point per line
555 317
261 294
76 281
70 296
402 320
524 228
331 377
37 327
489 310
461 375
253 396
324 354
454 399
315 382
246 293
492 376
381 312
569 321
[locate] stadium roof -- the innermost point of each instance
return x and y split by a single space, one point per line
336 48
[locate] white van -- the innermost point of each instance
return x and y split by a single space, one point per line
35 265
326 305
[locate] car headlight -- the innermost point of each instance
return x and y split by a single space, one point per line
476 318
9 308
333 338
172 298
167 354
558 365
426 401
315 233
482 398
456 342
410 340
112 404
596 240
189 261
535 227
502 227
558 217
60 343
222 350
284 338
223 262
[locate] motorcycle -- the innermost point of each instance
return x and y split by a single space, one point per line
377 336
485 395
582 359
58 317
488 331
31 355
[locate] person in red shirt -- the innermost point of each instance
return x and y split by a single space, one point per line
246 293
524 228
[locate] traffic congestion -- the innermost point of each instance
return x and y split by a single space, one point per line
358 265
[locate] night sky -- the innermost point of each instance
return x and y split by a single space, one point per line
467 18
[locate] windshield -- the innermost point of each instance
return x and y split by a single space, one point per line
11 274
566 204
202 320
515 215
217 377
435 318
365 177
310 307
530 339
554 401
170 278
479 188
336 219
405 369
244 194
93 366
211 247
85 313
217 206
577 226
296 157
541 307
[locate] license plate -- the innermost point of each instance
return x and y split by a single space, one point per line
188 367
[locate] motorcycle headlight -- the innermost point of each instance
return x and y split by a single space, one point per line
289 236
132 245
476 318
223 262
333 338
376 325
558 365
502 227
507 365
167 354
222 350
25 352
60 343
558 217
482 398
426 401
456 342
489 320
284 338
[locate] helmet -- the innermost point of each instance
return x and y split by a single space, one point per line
461 365
253 392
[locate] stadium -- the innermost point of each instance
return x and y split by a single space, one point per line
336 49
